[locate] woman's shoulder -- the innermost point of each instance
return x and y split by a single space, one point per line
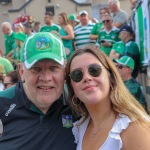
136 136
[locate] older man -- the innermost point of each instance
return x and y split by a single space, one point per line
32 113
8 37
82 31
131 48
125 66
107 36
120 17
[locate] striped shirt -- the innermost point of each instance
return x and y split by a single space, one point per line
82 35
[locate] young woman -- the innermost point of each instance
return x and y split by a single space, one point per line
111 117
66 33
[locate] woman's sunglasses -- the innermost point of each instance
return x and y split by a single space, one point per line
94 70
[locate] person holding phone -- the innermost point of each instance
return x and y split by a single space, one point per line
108 36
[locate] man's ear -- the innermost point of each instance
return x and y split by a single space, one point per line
21 71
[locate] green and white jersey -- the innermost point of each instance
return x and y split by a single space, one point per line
111 36
118 47
96 28
82 35
53 27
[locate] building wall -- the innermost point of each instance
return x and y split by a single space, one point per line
124 4
36 8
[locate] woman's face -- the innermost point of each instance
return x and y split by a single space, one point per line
7 82
90 90
103 12
60 20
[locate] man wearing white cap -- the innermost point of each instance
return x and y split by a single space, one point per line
125 66
83 30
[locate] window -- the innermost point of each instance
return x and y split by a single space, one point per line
51 9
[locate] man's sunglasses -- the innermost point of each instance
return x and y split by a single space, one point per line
120 66
106 21
94 70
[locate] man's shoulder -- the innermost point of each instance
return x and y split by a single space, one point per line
132 43
77 26
122 12
134 81
42 27
56 25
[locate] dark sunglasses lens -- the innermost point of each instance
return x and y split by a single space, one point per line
95 70
106 21
76 75
119 67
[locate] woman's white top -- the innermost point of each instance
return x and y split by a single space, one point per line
113 140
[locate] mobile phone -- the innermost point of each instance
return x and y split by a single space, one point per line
102 41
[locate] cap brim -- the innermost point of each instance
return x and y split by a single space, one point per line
30 62
117 61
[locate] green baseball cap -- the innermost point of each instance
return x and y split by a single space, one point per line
42 45
73 17
126 61
20 36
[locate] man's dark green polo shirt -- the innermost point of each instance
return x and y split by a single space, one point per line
25 127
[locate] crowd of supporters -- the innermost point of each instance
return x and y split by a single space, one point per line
111 34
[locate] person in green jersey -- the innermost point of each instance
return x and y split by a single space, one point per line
66 33
116 50
49 25
73 20
125 66
82 31
98 26
108 36
20 37
131 48
8 37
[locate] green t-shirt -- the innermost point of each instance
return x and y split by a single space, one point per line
7 65
111 36
9 42
53 27
118 47
96 28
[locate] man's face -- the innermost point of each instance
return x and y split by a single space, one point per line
84 19
47 19
5 30
111 7
123 71
107 21
37 28
43 83
123 36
